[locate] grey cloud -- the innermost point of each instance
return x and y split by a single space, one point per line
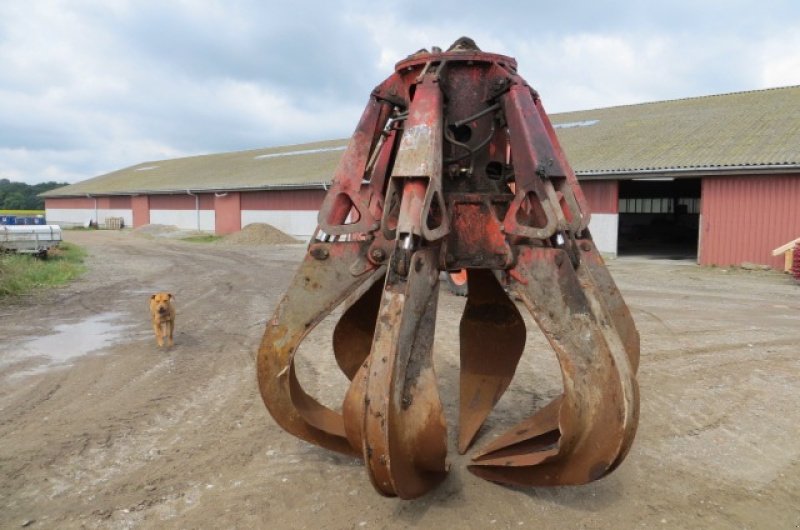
92 87
307 52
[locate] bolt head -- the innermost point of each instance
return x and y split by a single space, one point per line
378 254
320 253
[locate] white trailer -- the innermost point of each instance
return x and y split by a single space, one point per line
29 239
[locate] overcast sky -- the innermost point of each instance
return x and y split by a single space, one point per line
88 87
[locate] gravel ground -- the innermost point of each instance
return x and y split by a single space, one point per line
101 429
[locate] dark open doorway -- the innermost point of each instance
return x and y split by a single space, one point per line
659 217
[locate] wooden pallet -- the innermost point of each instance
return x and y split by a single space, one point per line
788 251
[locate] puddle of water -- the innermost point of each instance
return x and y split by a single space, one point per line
67 342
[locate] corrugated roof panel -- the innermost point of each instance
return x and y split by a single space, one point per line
746 128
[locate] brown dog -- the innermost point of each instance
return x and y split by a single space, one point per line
162 311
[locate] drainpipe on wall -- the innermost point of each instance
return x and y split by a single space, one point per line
196 207
96 220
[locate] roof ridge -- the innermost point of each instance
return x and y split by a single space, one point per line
687 98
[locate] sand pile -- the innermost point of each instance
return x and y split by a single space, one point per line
154 230
259 234
166 231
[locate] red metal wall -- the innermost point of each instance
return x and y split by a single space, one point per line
227 214
119 203
140 209
181 202
103 203
283 200
744 218
69 203
602 195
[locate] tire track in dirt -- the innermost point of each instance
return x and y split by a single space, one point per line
135 436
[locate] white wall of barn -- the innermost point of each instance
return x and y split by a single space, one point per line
185 219
297 223
300 224
605 229
81 216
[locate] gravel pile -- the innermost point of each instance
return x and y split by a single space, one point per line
259 234
166 231
154 230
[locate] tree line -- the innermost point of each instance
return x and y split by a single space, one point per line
21 196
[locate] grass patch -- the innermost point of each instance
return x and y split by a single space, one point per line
202 238
20 274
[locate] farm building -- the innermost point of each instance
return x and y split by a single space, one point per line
715 178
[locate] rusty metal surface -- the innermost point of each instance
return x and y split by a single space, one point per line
404 431
318 286
598 412
352 336
455 165
492 337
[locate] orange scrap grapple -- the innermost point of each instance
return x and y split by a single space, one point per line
455 165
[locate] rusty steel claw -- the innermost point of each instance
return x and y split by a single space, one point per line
352 336
317 288
492 337
584 434
454 165
404 433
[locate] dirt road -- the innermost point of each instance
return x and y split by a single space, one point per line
100 429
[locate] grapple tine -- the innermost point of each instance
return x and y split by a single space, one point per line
599 410
607 292
353 407
492 337
540 424
352 336
318 286
619 330
404 432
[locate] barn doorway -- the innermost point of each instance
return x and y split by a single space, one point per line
659 218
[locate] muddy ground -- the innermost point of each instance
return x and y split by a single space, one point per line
130 436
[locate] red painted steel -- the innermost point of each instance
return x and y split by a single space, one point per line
744 218
283 200
181 202
140 208
228 213
602 195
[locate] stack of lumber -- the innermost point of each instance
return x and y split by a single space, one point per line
789 251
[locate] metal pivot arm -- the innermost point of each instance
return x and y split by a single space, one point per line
345 201
419 161
579 214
